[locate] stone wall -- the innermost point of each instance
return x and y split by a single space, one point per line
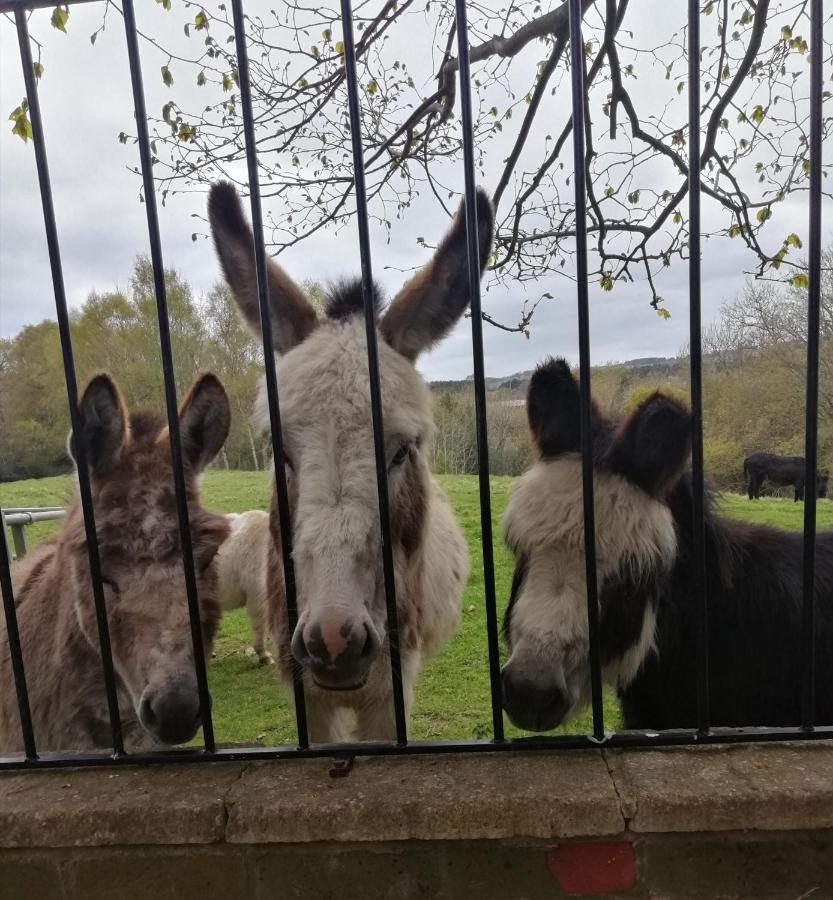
754 821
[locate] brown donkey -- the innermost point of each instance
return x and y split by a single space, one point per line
340 640
144 584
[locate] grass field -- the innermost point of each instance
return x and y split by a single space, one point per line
452 696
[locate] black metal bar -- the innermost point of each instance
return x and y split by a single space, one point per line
373 368
624 739
168 372
812 388
84 487
269 361
696 369
577 76
479 373
15 650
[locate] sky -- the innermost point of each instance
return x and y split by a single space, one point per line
85 97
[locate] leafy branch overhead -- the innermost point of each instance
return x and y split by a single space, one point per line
755 124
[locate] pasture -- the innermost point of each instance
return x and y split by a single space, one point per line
452 695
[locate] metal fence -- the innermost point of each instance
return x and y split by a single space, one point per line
703 733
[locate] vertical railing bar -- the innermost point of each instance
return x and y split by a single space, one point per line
84 487
479 373
15 650
577 76
168 373
269 360
373 367
812 387
696 370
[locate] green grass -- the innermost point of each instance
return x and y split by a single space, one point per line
452 695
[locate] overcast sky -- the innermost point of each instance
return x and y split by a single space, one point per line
86 103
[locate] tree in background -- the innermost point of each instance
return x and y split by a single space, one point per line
117 332
755 118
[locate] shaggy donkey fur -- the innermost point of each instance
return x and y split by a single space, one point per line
144 584
643 501
340 640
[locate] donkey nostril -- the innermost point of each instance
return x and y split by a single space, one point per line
369 648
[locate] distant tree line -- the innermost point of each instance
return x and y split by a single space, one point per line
754 379
117 332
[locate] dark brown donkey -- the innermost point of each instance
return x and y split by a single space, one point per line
144 584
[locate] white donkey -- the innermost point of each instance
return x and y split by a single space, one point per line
241 574
340 640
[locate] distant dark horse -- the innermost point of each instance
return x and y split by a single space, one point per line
782 470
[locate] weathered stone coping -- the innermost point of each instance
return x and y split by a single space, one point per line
536 795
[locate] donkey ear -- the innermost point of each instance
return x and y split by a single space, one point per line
292 316
434 299
204 420
652 446
552 407
104 425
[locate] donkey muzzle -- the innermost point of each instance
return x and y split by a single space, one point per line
532 704
337 650
170 713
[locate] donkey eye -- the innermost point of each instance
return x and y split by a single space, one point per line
401 455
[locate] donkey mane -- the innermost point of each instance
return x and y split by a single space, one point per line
345 298
145 426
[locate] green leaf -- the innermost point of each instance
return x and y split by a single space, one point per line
227 82
606 282
122 137
22 126
60 16
747 17
166 76
339 47
201 21
633 197
327 34
302 82
38 69
372 87
314 50
786 33
758 113
677 217
763 214
734 231
793 240
663 313
186 132
93 38
725 74
709 8
166 112
201 79
165 4
800 281
805 166
609 191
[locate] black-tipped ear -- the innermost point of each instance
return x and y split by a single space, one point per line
204 420
104 424
552 406
429 305
652 447
291 314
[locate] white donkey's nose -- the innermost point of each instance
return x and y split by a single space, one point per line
337 648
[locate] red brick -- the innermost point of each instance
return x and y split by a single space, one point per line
593 868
